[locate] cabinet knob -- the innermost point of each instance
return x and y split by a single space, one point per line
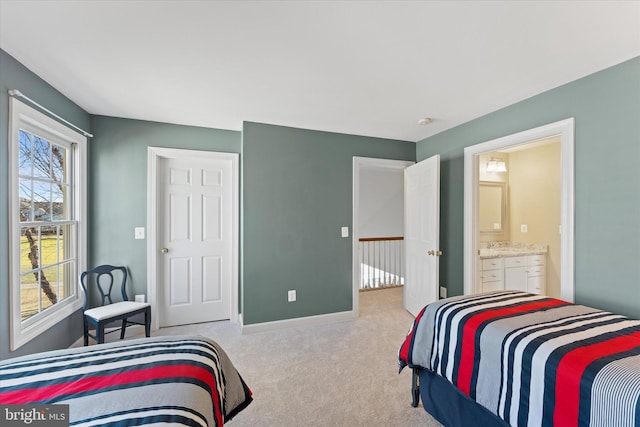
164 250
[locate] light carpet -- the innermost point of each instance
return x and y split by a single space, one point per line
343 374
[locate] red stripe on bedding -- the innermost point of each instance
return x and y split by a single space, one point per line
467 354
571 368
406 345
92 383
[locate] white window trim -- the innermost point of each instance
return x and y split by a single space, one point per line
23 116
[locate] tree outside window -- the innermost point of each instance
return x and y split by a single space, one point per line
46 228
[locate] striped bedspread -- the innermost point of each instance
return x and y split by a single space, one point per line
532 360
177 380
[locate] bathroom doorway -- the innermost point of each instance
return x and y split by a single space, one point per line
530 170
519 206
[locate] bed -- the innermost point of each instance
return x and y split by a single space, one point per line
513 358
187 380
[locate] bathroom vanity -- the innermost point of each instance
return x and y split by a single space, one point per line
513 266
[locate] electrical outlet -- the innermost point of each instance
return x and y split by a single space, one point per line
443 292
344 231
291 296
140 298
523 228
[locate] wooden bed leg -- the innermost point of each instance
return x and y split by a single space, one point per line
415 388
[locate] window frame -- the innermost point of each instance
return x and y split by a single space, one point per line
22 116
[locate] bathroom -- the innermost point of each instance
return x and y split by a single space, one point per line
519 207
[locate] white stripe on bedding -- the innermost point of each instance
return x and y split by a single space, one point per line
442 332
140 361
63 360
127 417
439 325
536 394
616 401
462 313
525 331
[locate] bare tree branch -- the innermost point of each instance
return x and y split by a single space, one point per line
43 161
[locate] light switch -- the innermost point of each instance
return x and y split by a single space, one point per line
139 232
345 231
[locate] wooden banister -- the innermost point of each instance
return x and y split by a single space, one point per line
378 239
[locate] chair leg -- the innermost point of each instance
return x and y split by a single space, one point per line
147 322
100 333
123 329
86 331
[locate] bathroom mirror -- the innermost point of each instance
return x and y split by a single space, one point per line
492 207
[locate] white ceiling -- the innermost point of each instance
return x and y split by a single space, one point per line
360 67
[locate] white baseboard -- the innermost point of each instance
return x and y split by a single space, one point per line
321 319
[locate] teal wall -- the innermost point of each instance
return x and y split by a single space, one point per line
118 184
14 75
606 108
297 194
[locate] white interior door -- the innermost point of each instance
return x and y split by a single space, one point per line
422 233
195 237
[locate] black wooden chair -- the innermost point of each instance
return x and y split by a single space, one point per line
102 278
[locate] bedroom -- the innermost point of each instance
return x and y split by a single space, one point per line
605 106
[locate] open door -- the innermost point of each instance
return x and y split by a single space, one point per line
422 233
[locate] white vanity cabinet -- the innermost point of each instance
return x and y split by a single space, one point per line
492 274
536 274
515 273
525 273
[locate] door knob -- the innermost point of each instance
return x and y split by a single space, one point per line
431 252
164 250
438 253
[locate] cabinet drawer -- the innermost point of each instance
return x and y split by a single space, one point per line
535 259
536 285
536 270
516 261
491 276
492 263
492 286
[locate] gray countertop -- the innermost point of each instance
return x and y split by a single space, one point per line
511 249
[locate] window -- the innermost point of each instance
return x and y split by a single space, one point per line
47 210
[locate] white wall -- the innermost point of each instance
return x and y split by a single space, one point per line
381 203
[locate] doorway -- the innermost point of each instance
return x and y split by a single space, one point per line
564 132
192 247
362 167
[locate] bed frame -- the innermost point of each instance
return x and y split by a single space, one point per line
513 358
447 404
